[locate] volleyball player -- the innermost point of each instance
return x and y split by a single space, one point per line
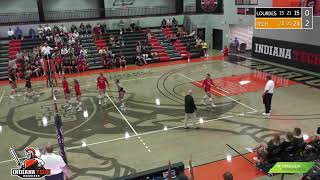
29 90
102 84
77 94
13 84
66 91
207 83
122 93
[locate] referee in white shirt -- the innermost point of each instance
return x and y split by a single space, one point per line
55 163
267 95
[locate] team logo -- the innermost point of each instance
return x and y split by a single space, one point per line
32 166
209 5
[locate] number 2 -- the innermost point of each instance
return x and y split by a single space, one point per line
307 23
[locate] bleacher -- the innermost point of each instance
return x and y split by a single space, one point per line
159 42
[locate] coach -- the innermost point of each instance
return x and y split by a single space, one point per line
267 95
190 110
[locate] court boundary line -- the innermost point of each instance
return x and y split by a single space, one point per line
2 95
134 136
135 132
250 112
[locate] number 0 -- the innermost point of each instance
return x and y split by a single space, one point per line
307 12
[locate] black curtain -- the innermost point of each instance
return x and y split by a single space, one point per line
179 6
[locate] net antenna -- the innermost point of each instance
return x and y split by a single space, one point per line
123 2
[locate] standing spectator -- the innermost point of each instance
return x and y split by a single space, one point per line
174 23
59 169
132 26
18 33
46 50
32 33
82 29
190 110
40 32
149 34
205 48
47 29
267 95
198 43
225 51
169 22
10 33
163 23
88 29
103 28
97 31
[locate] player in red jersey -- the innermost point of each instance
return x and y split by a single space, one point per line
66 91
207 83
122 93
77 94
102 84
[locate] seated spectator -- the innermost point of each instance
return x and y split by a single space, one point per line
10 33
174 23
169 22
121 41
49 35
198 43
58 41
112 40
148 33
32 33
40 32
83 52
122 62
82 29
227 176
181 32
73 28
55 30
163 23
75 34
88 29
63 29
298 141
264 150
138 48
153 54
139 60
65 51
173 39
19 55
18 33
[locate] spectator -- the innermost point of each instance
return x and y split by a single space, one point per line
73 28
120 41
82 29
148 33
297 136
227 176
83 52
153 54
64 51
18 33
169 22
63 29
47 29
103 28
13 65
198 43
205 48
75 34
122 61
174 23
112 40
32 33
59 169
10 33
132 26
97 31
163 23
46 50
190 110
88 29
264 150
40 32
225 51
56 30
173 39
19 55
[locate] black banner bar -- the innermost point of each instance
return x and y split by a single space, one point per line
278 12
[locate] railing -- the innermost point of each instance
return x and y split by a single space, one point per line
19 17
141 11
190 8
72 14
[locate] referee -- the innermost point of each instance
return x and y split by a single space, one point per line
190 110
267 95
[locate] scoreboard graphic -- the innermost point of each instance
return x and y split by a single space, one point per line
284 18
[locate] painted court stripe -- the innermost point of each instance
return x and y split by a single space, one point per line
253 110
2 95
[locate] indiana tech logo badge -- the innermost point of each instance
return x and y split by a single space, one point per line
32 166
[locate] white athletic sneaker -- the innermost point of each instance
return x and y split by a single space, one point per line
105 100
11 97
79 109
213 105
99 102
266 114
70 107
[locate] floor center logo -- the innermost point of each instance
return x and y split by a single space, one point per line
32 166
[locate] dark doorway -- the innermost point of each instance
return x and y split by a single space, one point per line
201 33
217 39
